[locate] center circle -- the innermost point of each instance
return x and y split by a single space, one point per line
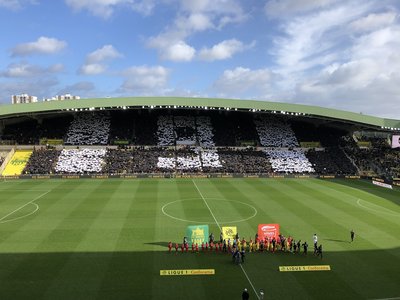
199 210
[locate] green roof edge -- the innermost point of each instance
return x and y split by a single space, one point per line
10 110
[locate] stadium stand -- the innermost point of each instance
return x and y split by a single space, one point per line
274 132
185 130
122 128
205 132
289 161
234 129
210 160
243 161
30 132
379 158
42 161
80 161
165 131
17 163
89 129
145 128
182 140
330 161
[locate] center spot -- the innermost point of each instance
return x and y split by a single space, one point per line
194 210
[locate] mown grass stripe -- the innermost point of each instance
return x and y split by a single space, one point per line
130 262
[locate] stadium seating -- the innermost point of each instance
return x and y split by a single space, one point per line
331 161
274 132
89 129
42 161
205 132
244 161
289 161
80 161
165 131
182 140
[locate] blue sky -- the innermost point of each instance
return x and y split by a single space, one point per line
331 53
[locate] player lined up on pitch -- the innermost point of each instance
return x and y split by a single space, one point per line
238 247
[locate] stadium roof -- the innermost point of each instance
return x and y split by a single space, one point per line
14 110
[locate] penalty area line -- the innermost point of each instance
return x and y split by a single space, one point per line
215 219
22 206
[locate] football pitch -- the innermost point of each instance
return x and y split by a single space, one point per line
107 239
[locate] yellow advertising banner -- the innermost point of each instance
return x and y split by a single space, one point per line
229 232
187 272
304 268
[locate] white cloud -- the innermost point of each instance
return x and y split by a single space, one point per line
43 45
373 21
243 81
25 69
15 4
312 40
194 16
144 79
92 69
96 61
370 75
288 8
105 8
107 52
179 51
221 12
224 50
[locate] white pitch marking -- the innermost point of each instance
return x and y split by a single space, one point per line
387 212
218 199
37 198
21 217
248 279
216 222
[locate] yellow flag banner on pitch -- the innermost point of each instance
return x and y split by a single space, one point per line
229 232
304 268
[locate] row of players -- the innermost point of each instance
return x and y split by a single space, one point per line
259 245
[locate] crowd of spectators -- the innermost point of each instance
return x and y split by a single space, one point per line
205 132
179 140
165 131
185 130
210 160
274 132
243 161
89 129
330 161
42 161
118 161
289 161
81 161
378 159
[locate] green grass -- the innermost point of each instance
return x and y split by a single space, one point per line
106 239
